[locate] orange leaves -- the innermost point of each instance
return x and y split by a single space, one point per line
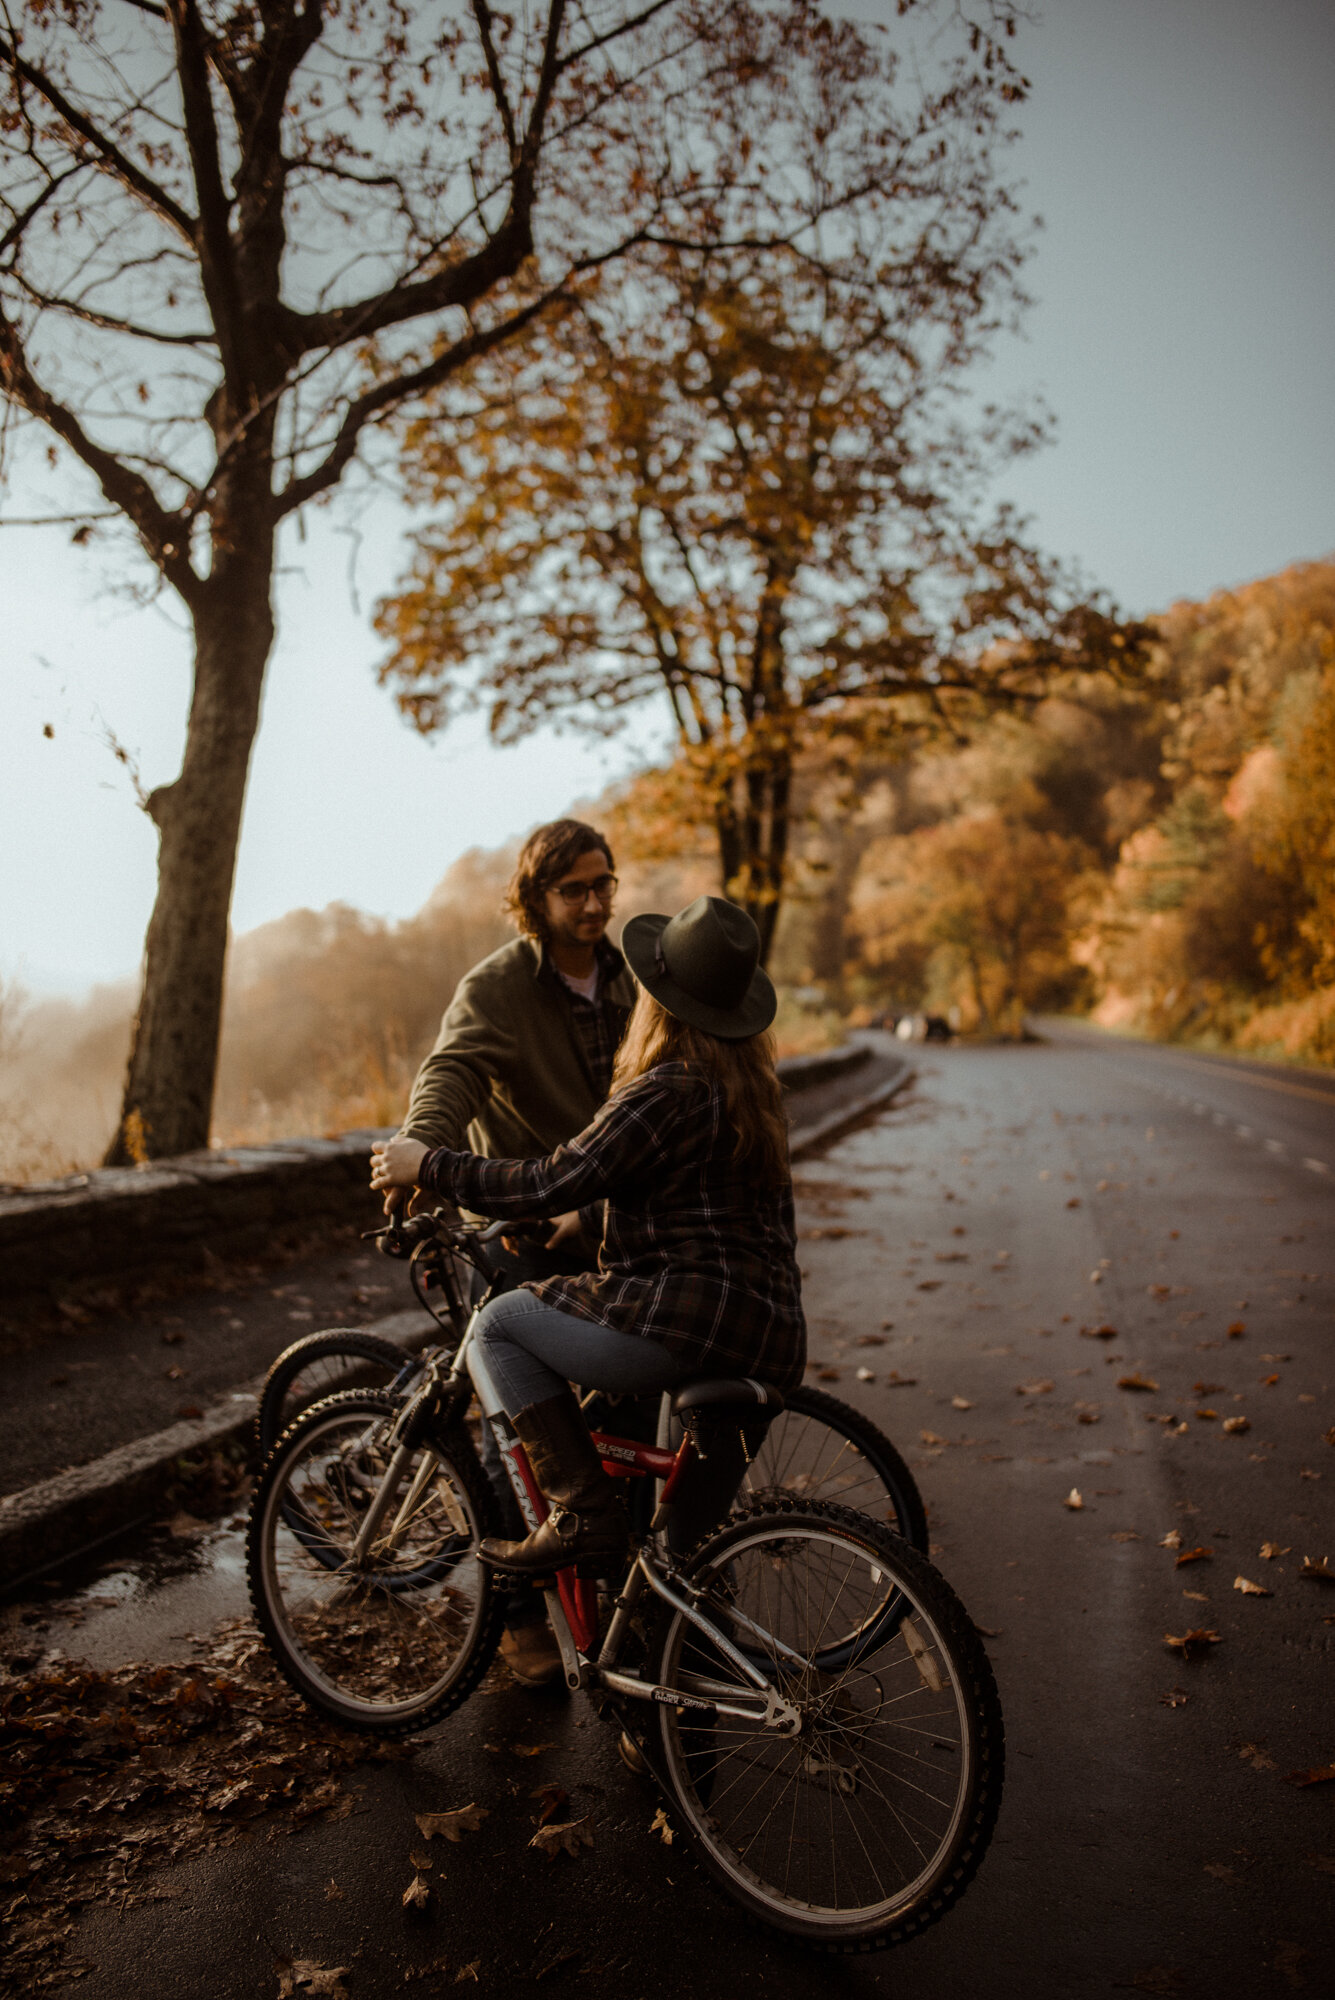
452 1826
1192 1556
1192 1644
1235 1426
1137 1381
565 1837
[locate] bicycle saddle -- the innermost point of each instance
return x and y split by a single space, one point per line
706 1394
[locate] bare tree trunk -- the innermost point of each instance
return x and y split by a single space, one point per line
174 1055
753 844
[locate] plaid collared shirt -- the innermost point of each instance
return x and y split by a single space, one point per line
695 1253
599 1023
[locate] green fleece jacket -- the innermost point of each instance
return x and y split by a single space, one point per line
508 1074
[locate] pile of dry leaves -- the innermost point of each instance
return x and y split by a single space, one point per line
106 1777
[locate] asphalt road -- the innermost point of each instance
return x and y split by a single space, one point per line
983 1231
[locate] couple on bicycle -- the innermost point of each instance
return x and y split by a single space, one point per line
629 1097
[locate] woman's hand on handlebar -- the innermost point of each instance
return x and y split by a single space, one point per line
394 1167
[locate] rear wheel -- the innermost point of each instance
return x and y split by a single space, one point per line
865 1824
319 1365
404 1638
820 1448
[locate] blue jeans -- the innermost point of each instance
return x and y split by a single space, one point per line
533 1350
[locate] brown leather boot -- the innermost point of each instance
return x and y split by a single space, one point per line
586 1526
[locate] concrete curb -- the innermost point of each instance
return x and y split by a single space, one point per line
67 1515
64 1516
809 1139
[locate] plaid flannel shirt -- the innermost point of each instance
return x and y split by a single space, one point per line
695 1253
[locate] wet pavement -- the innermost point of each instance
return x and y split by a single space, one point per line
1030 1229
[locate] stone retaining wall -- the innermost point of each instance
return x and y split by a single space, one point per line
123 1225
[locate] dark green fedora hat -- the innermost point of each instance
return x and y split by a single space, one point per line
703 965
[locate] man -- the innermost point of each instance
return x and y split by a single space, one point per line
522 1062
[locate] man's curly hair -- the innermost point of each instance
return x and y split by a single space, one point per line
543 859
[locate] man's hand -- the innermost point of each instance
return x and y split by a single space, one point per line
565 1229
394 1165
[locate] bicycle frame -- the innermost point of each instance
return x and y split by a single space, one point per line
572 1604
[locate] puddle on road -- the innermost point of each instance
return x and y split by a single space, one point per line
141 1601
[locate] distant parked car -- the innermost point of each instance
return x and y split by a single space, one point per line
923 1028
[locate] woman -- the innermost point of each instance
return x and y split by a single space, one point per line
697 1269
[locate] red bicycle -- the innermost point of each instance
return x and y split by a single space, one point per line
807 1690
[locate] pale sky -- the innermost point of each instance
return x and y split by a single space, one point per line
1181 155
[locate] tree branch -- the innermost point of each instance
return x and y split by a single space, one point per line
160 532
113 159
397 389
483 16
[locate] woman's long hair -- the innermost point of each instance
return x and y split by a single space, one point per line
743 1070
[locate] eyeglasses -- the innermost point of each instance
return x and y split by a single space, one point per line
573 894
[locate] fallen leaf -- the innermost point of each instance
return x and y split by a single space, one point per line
1253 1754
1272 1549
452 1825
1237 1329
960 1403
303 1975
1208 1416
1174 1698
551 1799
1330 1435
895 1380
332 1892
1172 1540
1043 1388
1196 1596
467 1972
1191 1642
827 1374
417 1894
531 1749
930 1437
563 1837
422 1863
1320 1570
1250 1589
870 1340
865 1375
1073 1500
1125 1535
1267 1381
1073 1201
1321 1774
1088 1414
1192 1556
1136 1381
659 1825
929 1284
1236 1425
1208 1388
1104 1332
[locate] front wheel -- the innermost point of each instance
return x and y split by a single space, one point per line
395 1641
865 1825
